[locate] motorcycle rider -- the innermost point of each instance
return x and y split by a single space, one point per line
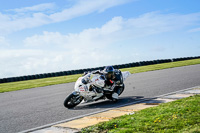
93 86
111 77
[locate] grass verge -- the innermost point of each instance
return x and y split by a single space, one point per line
13 86
181 116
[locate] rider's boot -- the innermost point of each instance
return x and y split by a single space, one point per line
115 97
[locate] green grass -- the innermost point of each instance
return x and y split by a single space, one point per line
5 87
181 116
162 66
13 86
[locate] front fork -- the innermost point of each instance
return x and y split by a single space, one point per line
77 96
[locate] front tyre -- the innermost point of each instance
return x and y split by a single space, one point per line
72 100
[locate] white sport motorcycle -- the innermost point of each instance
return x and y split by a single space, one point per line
91 87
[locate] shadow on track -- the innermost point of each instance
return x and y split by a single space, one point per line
108 103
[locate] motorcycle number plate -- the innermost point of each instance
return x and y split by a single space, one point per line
82 88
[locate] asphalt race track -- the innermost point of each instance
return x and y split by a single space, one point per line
26 109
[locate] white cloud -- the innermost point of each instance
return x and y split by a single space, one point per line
194 30
48 38
155 22
40 7
115 30
53 51
11 23
3 42
28 61
84 7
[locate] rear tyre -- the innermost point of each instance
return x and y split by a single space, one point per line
72 100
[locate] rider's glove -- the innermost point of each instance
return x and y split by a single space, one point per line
96 72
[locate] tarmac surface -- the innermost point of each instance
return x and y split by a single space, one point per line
26 109
75 126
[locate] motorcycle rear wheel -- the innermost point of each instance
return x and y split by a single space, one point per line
72 100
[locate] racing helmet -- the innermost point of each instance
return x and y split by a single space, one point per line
109 72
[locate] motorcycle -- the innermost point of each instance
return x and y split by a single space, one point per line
91 87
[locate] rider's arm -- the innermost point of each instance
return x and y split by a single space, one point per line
97 72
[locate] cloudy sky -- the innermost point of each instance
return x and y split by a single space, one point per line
40 36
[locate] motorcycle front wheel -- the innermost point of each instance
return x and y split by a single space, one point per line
72 100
